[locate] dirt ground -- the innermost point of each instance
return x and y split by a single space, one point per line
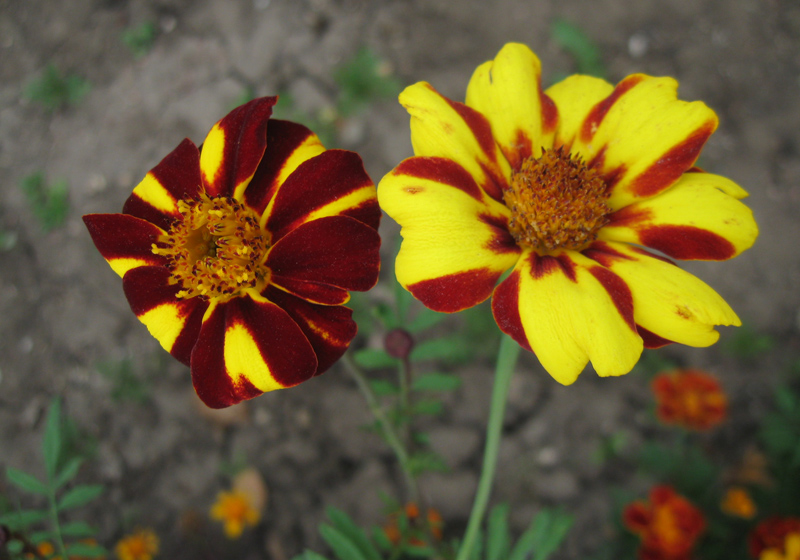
62 311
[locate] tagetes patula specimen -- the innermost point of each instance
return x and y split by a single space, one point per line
570 188
238 256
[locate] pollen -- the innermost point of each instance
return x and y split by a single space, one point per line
556 202
216 249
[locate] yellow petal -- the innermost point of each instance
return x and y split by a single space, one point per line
444 128
667 300
574 97
570 311
508 92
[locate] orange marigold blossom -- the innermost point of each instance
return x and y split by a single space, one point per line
789 551
235 510
46 549
771 534
738 503
669 525
689 398
585 191
239 255
142 544
421 529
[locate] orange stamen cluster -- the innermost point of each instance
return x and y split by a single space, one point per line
216 250
556 202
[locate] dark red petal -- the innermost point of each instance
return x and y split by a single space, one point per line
505 307
280 342
543 265
283 138
618 290
329 329
456 292
652 340
592 121
316 183
687 242
245 139
440 170
338 250
179 174
148 287
120 236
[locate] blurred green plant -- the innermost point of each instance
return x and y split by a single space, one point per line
126 385
362 80
61 467
745 343
49 202
140 38
577 43
54 90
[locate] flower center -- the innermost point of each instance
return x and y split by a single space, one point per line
556 202
216 249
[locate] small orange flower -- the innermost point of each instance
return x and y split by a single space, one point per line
690 398
790 550
772 534
235 510
140 545
46 549
738 503
419 530
669 525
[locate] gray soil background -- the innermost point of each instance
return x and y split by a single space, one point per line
62 310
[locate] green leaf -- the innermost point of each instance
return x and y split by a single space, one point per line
430 408
402 298
573 40
352 531
38 537
343 547
426 461
80 495
380 538
68 472
436 382
309 555
550 538
498 537
14 547
85 549
386 315
447 348
25 481
785 400
425 319
383 388
77 529
51 444
419 551
371 358
21 519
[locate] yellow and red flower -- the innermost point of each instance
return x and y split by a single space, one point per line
141 545
789 551
773 534
668 526
238 256
235 510
689 398
738 503
573 188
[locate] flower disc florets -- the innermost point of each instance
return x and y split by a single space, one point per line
556 202
216 249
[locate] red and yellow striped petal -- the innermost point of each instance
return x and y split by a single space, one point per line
574 98
508 92
694 219
124 241
668 302
288 145
641 138
174 322
329 328
322 259
333 183
176 177
234 147
569 310
456 243
448 129
248 346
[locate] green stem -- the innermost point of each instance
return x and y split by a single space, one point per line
62 549
386 426
506 360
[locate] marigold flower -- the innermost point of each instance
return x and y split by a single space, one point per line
421 530
669 525
238 256
772 534
790 550
235 510
140 545
738 503
45 549
689 398
566 186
